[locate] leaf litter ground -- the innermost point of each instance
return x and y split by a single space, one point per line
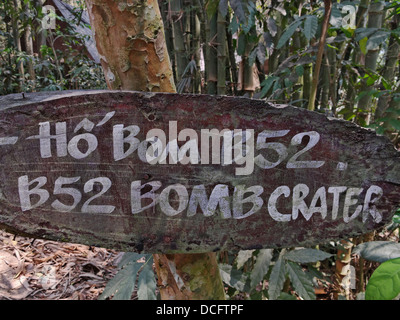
46 270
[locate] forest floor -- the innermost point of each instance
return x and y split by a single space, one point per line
35 269
46 270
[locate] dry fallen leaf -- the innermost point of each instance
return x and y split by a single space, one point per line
40 269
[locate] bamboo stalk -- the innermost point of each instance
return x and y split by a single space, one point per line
211 52
375 20
321 50
389 71
221 49
178 27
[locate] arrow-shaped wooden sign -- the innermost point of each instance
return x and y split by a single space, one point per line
182 173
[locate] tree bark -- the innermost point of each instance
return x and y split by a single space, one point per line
134 56
130 40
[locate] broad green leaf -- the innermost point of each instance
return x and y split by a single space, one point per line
266 85
378 251
306 255
396 217
129 257
233 277
395 124
122 285
300 70
288 33
362 33
310 27
277 278
301 283
237 8
261 266
147 282
375 40
242 257
384 283
286 296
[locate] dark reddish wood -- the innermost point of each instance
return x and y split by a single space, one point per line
352 157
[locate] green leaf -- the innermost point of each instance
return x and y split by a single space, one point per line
237 8
378 251
261 266
242 257
395 124
375 40
286 296
122 285
277 278
147 282
363 45
301 283
129 257
300 70
384 283
266 85
310 27
288 33
362 33
233 277
307 255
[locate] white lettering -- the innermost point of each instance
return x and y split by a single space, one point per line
25 194
183 199
273 211
136 196
239 200
119 141
369 204
350 201
336 191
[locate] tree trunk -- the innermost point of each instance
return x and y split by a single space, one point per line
321 50
17 43
197 53
131 44
375 20
389 71
29 47
356 59
178 27
221 39
211 55
134 56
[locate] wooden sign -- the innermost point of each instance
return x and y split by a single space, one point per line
181 173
